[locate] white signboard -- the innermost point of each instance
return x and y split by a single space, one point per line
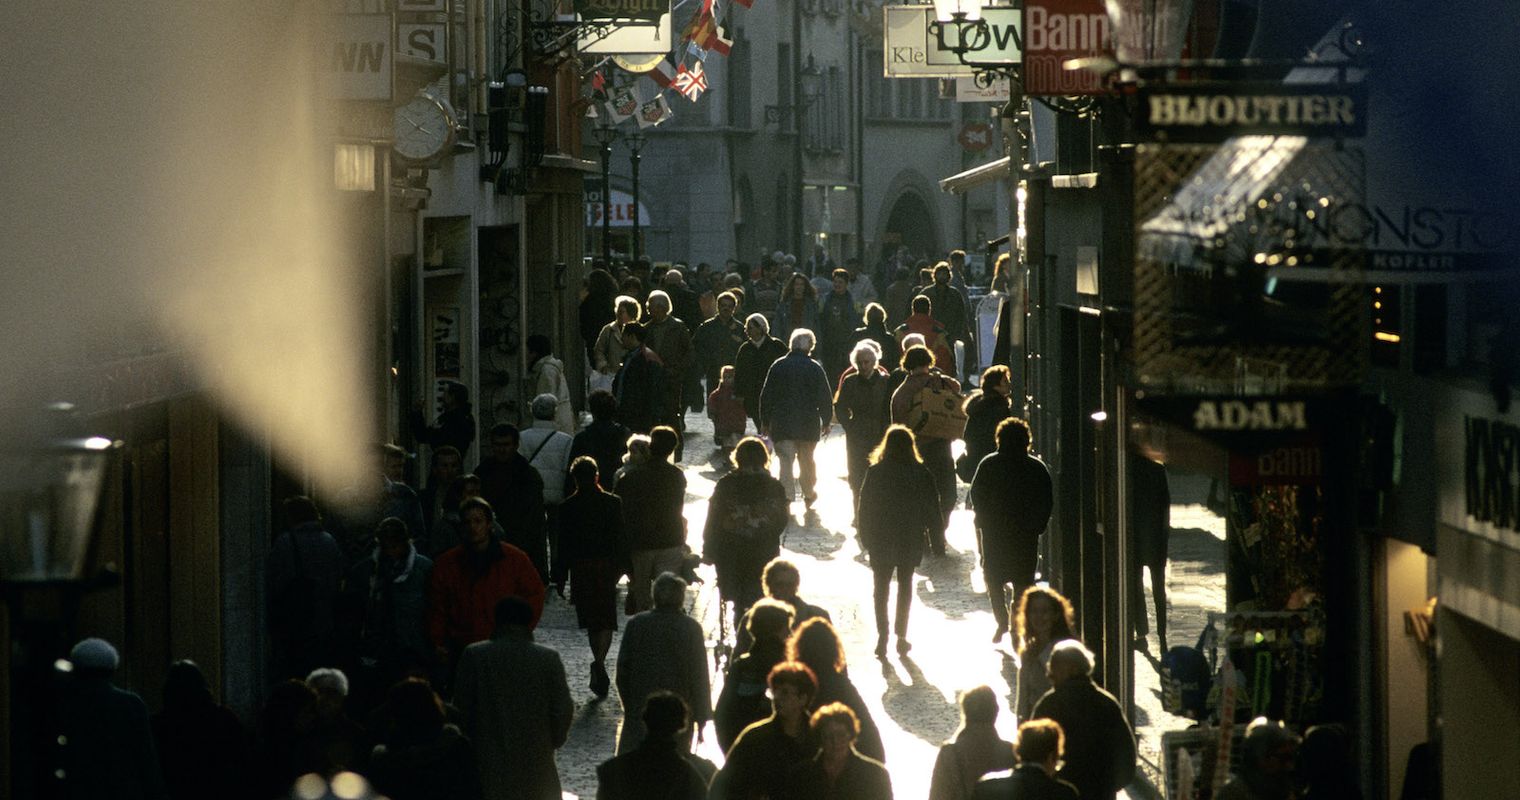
911 51
623 210
358 59
631 37
972 90
421 39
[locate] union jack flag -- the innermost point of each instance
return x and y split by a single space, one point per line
690 82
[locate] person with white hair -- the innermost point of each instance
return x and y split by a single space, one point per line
547 448
670 339
662 648
1100 746
863 406
796 409
336 742
754 359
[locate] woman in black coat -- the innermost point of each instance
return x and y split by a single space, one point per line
1012 496
899 508
753 362
423 757
591 555
863 406
875 329
745 519
990 404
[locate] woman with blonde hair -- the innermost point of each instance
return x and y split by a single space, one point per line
899 509
816 644
1043 618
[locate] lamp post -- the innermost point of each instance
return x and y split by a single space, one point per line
606 134
636 142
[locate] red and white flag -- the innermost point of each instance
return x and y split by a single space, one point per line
654 112
691 83
664 73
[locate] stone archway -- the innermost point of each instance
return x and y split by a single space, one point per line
910 223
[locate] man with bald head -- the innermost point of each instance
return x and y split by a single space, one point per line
1100 746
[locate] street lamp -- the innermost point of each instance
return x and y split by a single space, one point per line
636 142
964 17
606 133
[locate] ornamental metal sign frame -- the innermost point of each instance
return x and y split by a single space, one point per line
1213 112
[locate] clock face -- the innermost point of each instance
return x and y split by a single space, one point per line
422 128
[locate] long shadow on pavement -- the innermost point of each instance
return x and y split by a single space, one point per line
917 708
811 538
951 577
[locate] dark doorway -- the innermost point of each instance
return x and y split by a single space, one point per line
910 225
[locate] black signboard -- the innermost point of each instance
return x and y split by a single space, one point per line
650 10
1205 113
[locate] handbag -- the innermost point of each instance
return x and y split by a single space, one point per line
936 412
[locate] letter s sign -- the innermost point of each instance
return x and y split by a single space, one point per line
421 40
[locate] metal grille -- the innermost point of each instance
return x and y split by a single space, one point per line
1217 229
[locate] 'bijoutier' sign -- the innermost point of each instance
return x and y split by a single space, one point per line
1215 112
650 10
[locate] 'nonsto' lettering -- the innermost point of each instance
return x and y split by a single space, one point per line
1255 415
1173 110
1492 450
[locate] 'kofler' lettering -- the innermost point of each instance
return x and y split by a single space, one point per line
1491 466
1255 415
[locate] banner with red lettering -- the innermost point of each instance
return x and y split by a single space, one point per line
1056 31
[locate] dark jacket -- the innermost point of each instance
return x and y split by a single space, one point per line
515 706
1012 497
899 506
654 496
863 778
607 442
760 760
455 426
655 770
110 749
891 351
745 698
948 306
639 387
671 340
305 571
750 367
745 519
787 320
836 688
515 491
1100 747
983 413
391 598
438 766
590 529
203 749
795 403
836 328
1028 782
717 344
863 405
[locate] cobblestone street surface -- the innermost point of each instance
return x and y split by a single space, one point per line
912 698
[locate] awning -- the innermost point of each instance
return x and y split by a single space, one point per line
977 176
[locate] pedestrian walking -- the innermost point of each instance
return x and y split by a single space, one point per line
836 326
1012 496
753 361
1044 617
761 758
202 748
899 511
863 406
653 496
105 738
1267 755
548 450
546 375
742 701
745 519
796 408
798 307
280 750
445 465
781 581
928 403
985 408
305 572
898 296
662 648
726 411
838 771
816 644
639 386
388 591
1150 509
670 339
455 425
515 492
659 768
922 322
1100 747
605 439
381 493
950 310
717 341
608 352
1326 770
515 706
875 329
469 581
334 741
975 751
591 557
598 301
422 756
449 530
1040 744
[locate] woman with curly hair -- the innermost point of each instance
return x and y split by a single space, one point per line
798 307
816 644
1043 617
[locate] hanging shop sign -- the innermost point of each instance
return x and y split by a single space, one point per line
1211 113
1056 31
358 61
911 51
984 88
623 209
648 10
1252 424
976 137
639 27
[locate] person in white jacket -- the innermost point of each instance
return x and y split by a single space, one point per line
548 450
546 375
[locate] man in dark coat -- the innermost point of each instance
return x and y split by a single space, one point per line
760 760
654 496
305 571
639 386
1100 746
1012 496
718 340
949 306
658 768
796 408
744 699
455 426
605 439
1039 747
670 338
106 742
753 361
839 771
836 326
1150 509
515 491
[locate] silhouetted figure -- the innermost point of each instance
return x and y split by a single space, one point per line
1150 507
838 771
283 723
743 700
304 571
590 557
1012 495
761 757
201 745
1266 764
659 768
105 747
1039 745
899 510
455 426
334 742
745 519
422 757
1325 767
975 751
662 649
1100 747
515 491
796 409
817 645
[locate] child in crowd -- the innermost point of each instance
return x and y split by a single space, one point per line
726 411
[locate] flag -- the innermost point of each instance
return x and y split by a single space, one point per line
624 104
663 73
654 112
598 82
691 83
713 38
746 3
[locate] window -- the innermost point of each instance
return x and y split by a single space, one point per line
878 86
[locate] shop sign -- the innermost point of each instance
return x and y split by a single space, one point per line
1249 415
358 59
1210 113
975 137
648 10
1056 31
979 89
622 210
1250 425
646 34
1297 464
910 51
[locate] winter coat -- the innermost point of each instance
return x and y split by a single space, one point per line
751 365
204 751
891 351
836 327
745 519
640 389
1028 782
935 338
550 451
863 778
899 506
795 402
948 305
655 770
717 344
455 426
1100 747
547 376
321 569
515 706
442 766
904 395
788 319
608 352
1012 497
726 411
975 751
661 649
604 440
515 491
465 587
590 529
760 760
863 406
836 688
654 496
393 600
983 413
745 698
671 340
110 750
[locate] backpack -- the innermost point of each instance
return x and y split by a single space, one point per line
936 412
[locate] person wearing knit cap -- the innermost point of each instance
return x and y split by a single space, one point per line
107 748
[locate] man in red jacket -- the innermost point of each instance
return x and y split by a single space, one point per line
469 580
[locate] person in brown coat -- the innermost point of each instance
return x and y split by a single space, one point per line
920 365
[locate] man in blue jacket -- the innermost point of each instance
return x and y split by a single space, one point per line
796 408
